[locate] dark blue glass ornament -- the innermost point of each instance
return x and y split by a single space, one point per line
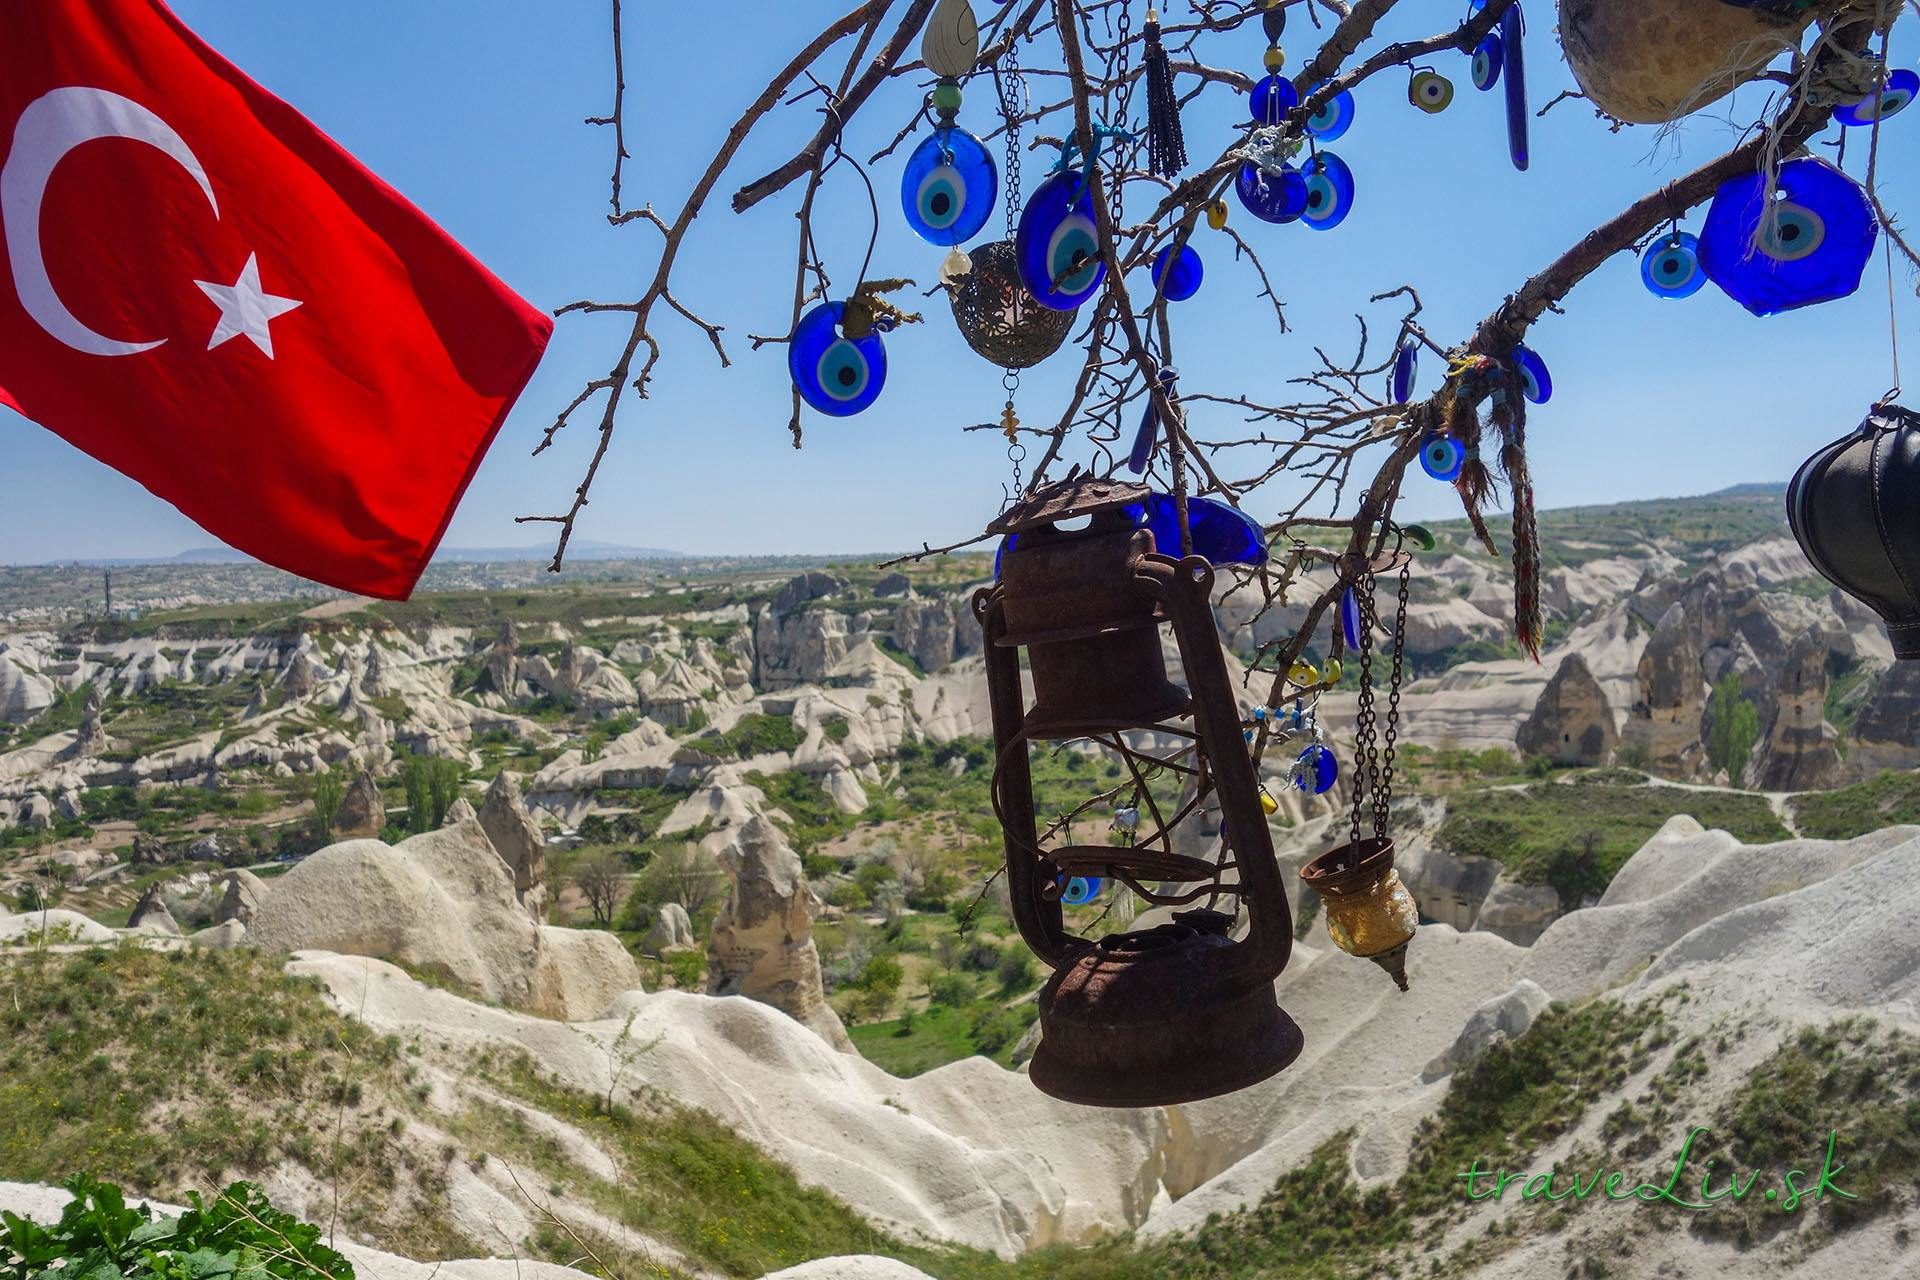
835 374
1442 457
1183 280
1406 364
1316 771
1902 86
1000 554
948 187
1221 534
1081 890
1814 244
1513 28
1350 620
1487 61
1671 266
1334 117
1272 197
1057 246
1329 191
1272 98
1149 433
1535 382
1430 91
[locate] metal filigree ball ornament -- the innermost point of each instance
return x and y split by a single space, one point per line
999 316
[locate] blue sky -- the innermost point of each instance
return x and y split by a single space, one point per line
474 111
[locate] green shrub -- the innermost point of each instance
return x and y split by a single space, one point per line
1015 970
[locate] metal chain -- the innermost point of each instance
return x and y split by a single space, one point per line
1383 799
1363 734
1013 95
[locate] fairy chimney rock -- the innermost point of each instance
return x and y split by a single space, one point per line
517 839
362 811
761 946
1571 724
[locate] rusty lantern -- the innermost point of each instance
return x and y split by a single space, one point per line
1183 1010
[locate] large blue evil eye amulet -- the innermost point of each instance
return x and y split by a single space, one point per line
948 187
1351 622
1442 457
1057 246
1902 87
1670 267
1272 99
1272 197
1334 117
1316 771
1536 383
1810 245
1406 365
1329 191
1221 534
835 374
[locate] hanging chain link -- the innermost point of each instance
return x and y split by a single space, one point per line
1373 752
1013 104
1123 116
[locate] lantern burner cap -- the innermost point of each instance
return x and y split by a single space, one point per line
1078 495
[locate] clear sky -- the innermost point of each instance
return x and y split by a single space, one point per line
474 111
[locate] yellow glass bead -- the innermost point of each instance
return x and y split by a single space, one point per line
1334 671
1217 215
1276 59
1304 673
1268 804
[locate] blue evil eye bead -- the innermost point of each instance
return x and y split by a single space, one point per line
1902 85
1487 61
1081 890
1430 91
1058 247
1350 623
835 374
1671 266
1000 555
1316 771
1329 192
1272 98
1221 534
1406 364
948 187
1442 457
1334 117
1512 30
1811 245
1180 279
1272 197
1535 382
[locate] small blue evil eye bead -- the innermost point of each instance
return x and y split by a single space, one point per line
1535 382
1272 98
1442 457
1329 192
1487 61
1334 117
1180 279
1081 890
948 187
1316 771
1350 621
1406 365
1671 268
837 375
1272 197
1259 713
1902 86
1057 246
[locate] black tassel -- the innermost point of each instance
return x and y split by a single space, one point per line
1166 143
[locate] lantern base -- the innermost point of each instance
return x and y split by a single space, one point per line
1156 1017
1395 963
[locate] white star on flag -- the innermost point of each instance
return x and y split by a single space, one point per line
245 308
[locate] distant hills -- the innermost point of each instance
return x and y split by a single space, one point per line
579 549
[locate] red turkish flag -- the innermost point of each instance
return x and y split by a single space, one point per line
205 292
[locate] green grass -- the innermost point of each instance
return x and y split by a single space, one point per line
1887 800
756 734
935 1036
1523 828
